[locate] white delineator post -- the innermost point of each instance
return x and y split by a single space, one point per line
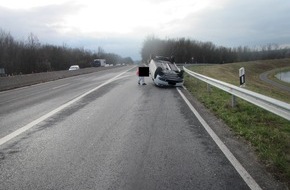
242 84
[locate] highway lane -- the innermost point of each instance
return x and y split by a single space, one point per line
121 136
21 106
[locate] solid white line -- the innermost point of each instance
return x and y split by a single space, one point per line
53 112
237 165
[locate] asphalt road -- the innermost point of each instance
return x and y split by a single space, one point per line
80 135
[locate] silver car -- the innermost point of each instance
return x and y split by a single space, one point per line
164 72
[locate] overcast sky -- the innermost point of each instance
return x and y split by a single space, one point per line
121 26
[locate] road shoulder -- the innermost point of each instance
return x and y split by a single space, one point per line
237 145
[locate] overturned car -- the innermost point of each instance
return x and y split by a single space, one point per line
164 72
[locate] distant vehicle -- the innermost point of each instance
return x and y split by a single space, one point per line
99 63
74 67
164 72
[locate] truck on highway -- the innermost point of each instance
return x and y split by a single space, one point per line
98 63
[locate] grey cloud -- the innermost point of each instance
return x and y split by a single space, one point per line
235 23
41 20
246 23
238 23
45 22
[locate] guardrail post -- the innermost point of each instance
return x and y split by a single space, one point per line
234 101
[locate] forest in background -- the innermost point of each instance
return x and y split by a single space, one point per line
30 56
192 51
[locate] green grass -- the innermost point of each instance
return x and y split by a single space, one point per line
268 134
230 73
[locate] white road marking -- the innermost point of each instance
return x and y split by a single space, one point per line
60 86
55 111
237 165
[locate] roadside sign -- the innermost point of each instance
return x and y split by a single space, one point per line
242 76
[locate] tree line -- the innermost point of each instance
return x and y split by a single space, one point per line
192 51
30 56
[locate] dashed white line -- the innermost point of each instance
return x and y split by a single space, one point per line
236 164
60 86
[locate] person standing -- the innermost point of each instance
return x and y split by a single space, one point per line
141 79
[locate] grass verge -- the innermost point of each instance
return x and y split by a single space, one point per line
267 133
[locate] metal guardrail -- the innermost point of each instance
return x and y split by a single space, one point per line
275 106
